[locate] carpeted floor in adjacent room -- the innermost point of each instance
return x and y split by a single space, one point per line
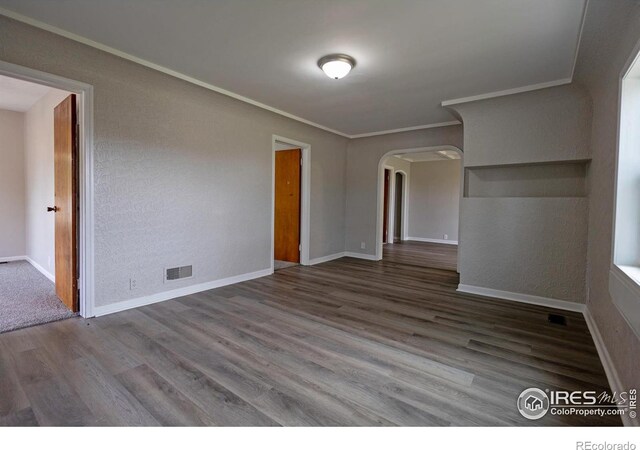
27 297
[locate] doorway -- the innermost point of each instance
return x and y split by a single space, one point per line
398 207
39 188
287 208
290 202
68 207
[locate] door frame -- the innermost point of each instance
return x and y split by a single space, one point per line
305 195
391 206
380 190
84 96
404 211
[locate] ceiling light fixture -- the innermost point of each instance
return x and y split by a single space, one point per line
336 66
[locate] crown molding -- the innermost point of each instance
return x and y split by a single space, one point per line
518 90
91 43
400 130
165 70
584 20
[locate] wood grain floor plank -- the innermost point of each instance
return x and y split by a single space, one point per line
347 342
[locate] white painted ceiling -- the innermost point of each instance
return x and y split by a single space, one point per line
442 155
18 95
411 54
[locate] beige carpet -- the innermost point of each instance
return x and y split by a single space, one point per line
27 297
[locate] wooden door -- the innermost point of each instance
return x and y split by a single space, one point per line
385 210
66 200
287 205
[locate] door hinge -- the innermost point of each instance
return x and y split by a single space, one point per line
300 248
300 161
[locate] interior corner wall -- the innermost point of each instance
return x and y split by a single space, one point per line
434 199
39 180
12 212
611 31
363 159
183 175
526 245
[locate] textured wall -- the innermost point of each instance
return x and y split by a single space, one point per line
434 199
611 31
363 160
39 186
12 235
183 175
534 246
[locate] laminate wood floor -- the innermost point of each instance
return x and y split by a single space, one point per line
348 342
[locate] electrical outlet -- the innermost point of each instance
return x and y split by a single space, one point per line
445 236
363 245
133 284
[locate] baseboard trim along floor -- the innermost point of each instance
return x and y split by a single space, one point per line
522 298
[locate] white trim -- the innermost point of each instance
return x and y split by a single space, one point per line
404 232
84 94
41 269
12 258
305 220
361 256
518 90
175 293
522 298
391 205
575 56
327 258
435 241
144 62
607 363
625 293
401 130
380 188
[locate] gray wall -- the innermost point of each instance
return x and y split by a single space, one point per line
182 174
527 245
434 199
363 160
12 235
39 180
611 31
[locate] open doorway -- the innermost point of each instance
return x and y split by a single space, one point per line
291 177
39 189
287 208
419 195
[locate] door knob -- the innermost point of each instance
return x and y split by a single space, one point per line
52 208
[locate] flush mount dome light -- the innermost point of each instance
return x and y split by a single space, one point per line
336 66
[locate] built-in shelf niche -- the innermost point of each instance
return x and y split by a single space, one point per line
553 179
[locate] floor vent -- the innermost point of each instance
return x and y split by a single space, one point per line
4 262
177 273
557 319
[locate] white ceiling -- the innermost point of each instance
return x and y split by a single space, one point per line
411 54
18 95
442 155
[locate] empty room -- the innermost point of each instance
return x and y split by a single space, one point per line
331 213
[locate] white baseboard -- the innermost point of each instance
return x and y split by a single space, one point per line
41 269
522 298
12 258
360 256
37 266
435 241
174 293
607 363
327 258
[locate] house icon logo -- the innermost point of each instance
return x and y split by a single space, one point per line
533 403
